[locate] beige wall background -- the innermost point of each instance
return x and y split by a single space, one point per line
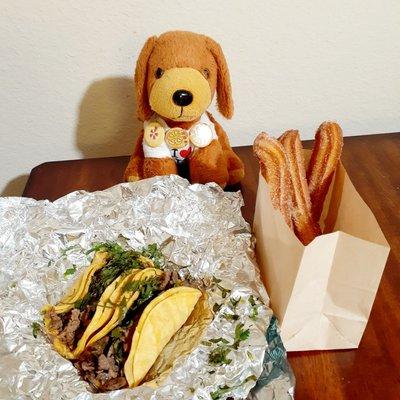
66 71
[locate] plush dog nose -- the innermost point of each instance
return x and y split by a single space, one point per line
182 98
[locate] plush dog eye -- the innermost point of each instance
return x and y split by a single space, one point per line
159 73
206 73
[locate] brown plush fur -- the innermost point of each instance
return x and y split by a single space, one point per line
217 162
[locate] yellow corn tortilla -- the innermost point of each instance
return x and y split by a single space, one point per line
101 316
80 286
94 324
119 296
160 320
182 343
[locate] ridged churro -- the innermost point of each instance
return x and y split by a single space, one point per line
324 158
304 225
272 157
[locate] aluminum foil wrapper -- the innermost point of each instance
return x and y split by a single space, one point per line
39 240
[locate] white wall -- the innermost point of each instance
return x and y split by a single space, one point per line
66 68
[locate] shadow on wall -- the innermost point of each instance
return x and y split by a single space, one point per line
16 186
107 124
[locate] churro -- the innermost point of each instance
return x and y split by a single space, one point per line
272 157
324 158
305 227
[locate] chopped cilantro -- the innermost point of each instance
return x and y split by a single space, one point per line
217 394
219 340
252 301
66 250
154 253
250 355
234 302
254 313
116 333
218 356
224 291
70 271
216 307
231 317
254 308
35 329
117 344
240 335
250 378
216 280
147 287
112 248
119 261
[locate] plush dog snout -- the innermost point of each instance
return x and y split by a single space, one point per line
182 98
181 94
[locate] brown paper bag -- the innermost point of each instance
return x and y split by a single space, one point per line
322 293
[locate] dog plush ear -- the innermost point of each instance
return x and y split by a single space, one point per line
224 90
143 107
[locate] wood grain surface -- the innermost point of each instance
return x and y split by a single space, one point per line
373 163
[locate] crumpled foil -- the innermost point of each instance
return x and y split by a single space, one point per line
39 240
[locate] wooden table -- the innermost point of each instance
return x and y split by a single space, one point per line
373 163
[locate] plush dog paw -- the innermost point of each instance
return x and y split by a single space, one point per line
209 165
236 175
235 168
158 167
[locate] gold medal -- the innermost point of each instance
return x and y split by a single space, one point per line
154 134
177 138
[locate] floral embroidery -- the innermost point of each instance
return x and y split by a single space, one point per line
154 133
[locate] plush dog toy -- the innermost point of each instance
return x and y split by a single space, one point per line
176 77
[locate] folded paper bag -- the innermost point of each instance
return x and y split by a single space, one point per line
322 293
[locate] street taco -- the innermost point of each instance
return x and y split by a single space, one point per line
134 324
86 302
160 320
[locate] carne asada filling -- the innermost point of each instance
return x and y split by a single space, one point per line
102 364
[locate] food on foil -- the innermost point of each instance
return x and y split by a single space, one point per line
300 195
160 320
120 315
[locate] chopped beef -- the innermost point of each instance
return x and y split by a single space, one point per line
114 384
125 332
91 378
87 365
103 362
107 363
175 277
56 323
165 281
67 336
85 318
87 315
101 384
97 348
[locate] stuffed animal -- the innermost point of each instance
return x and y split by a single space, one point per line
176 77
